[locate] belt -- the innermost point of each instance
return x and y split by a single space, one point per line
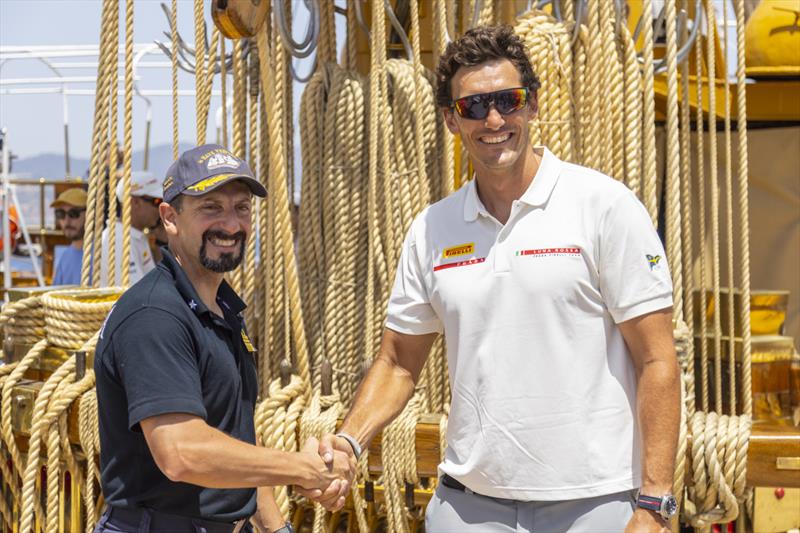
165 522
452 483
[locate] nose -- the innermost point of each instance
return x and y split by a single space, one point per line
230 223
494 120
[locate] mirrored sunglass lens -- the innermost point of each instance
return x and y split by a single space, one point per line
510 101
477 106
60 213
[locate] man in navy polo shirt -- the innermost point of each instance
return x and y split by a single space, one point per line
176 378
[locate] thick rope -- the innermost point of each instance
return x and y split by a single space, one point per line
276 420
719 459
73 316
632 110
23 321
743 208
199 68
673 230
173 26
686 229
128 147
701 200
6 429
548 45
729 240
398 456
113 181
318 419
280 196
649 177
714 186
89 436
106 75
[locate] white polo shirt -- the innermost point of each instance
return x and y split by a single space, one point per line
543 387
141 260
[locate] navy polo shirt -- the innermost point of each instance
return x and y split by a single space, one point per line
162 351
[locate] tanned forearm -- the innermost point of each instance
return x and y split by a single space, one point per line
388 385
650 341
187 449
659 410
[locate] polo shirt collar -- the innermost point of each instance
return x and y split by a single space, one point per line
544 181
226 296
537 194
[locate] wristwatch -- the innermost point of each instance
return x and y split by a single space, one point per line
287 528
666 506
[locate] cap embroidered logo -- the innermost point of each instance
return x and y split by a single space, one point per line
220 160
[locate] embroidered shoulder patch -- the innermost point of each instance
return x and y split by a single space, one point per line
653 260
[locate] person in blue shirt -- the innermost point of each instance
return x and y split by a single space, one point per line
70 209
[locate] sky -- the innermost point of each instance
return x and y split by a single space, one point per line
35 122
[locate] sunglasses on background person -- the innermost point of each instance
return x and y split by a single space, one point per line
476 106
151 200
73 213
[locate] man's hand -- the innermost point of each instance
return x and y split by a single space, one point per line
330 480
644 521
330 443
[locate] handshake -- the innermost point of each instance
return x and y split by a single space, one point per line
328 470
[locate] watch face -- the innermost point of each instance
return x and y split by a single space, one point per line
669 506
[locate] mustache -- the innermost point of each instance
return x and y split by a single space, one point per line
239 236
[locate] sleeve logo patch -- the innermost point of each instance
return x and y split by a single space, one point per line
653 260
456 251
247 343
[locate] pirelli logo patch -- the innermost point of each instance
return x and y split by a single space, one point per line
456 251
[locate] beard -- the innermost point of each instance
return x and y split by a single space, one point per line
227 261
73 234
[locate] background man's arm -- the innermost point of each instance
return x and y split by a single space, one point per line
651 344
384 392
188 450
268 516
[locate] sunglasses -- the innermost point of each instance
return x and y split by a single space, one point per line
476 106
72 213
149 199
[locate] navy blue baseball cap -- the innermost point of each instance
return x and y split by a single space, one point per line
205 168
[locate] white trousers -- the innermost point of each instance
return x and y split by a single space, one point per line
453 511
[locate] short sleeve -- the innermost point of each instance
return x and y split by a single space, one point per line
632 265
409 309
154 358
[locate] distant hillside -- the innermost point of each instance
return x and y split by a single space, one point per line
51 166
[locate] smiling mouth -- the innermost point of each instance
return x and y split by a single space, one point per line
223 243
496 139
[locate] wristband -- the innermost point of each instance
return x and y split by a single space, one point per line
287 528
353 444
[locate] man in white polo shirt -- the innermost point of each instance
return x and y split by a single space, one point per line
146 194
550 285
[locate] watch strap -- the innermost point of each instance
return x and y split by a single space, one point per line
651 503
287 528
353 443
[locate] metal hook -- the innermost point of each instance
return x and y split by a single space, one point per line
309 43
401 32
576 30
360 20
683 52
476 12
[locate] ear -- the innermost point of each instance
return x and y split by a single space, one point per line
168 217
450 120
